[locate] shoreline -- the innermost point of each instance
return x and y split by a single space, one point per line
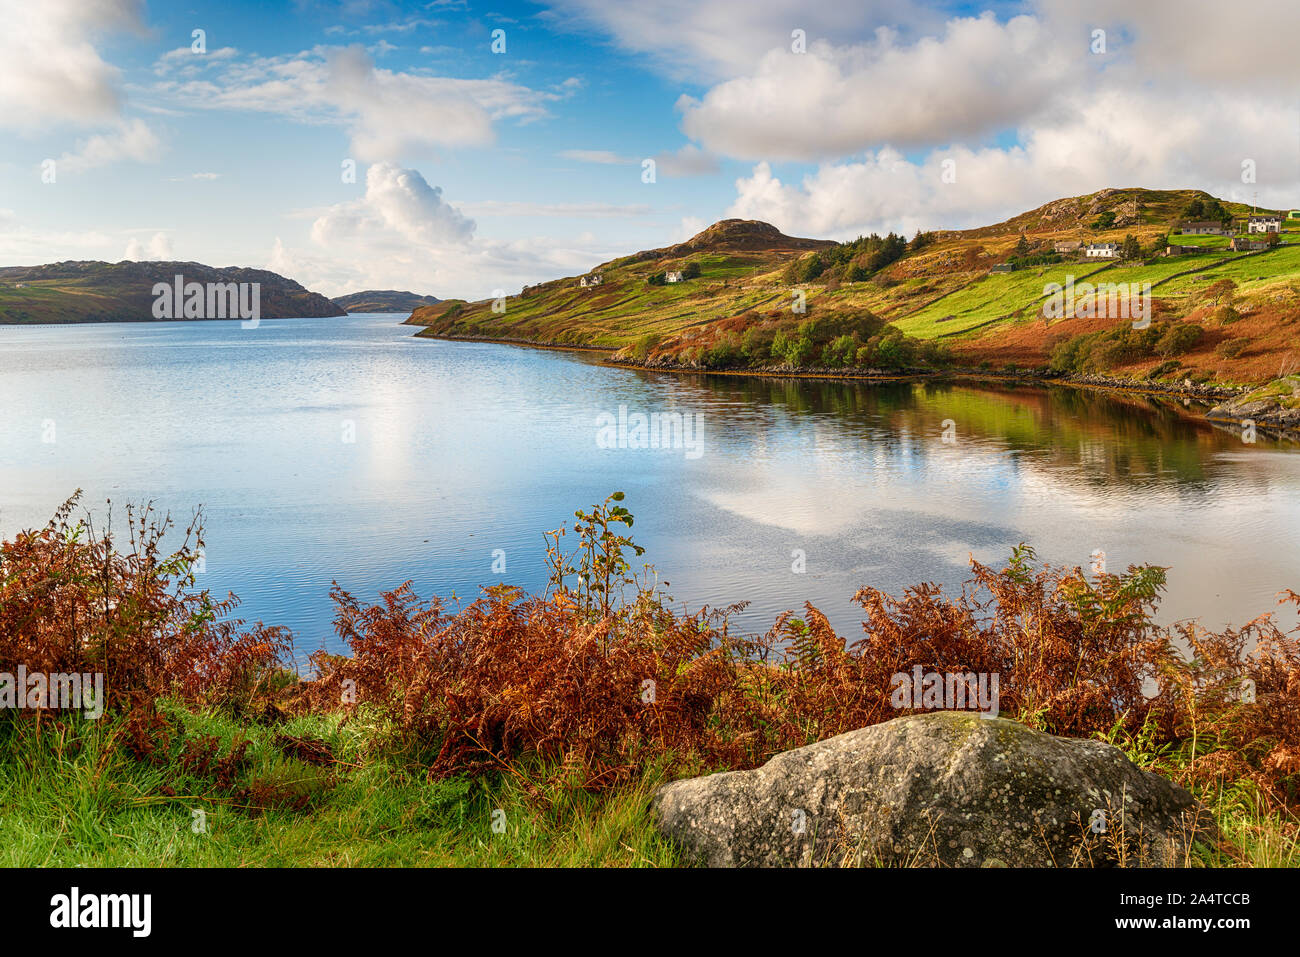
1276 421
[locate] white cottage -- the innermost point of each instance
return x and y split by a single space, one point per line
1264 224
1101 250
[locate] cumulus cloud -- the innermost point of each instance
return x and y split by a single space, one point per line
388 114
159 248
978 76
1106 139
1183 94
398 202
403 234
50 70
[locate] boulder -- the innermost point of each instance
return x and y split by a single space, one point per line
939 789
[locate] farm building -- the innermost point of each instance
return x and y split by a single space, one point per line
1067 245
1173 249
1204 227
675 276
593 280
1241 244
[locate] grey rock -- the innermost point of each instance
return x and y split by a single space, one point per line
940 789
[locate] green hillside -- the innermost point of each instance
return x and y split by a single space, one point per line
933 299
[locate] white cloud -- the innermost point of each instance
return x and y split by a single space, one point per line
977 78
1154 142
1183 95
389 115
50 71
397 202
159 248
403 234
724 38
132 139
603 157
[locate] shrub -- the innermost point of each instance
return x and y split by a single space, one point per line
72 602
840 351
1232 348
1181 337
607 686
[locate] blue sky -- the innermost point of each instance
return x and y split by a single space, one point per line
479 170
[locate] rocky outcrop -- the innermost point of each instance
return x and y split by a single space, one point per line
942 789
1268 417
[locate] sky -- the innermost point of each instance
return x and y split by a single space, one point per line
498 145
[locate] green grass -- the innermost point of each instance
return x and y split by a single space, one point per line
74 797
1246 271
1254 835
1284 391
77 800
1208 242
996 296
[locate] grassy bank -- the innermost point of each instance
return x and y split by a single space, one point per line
532 729
73 796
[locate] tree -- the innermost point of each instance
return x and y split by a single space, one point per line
1022 246
1132 249
1105 221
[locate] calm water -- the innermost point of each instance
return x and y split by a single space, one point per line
460 449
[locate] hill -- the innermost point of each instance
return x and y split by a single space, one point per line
976 298
91 291
383 300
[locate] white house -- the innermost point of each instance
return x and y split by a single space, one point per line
1264 224
1101 250
675 276
593 280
